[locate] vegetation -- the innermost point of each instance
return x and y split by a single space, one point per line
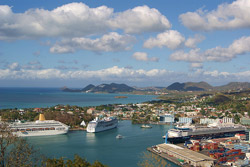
76 162
16 151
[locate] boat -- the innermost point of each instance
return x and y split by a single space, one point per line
99 125
40 127
146 126
219 130
119 136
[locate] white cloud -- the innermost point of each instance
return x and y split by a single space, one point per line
226 16
141 19
171 39
217 54
142 56
192 42
107 43
14 66
196 65
118 74
77 20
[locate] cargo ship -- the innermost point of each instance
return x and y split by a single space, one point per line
182 134
98 125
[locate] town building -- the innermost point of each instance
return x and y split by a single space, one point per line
167 118
185 120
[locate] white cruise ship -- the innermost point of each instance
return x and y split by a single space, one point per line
101 125
40 127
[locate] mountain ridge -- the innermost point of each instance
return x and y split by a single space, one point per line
177 86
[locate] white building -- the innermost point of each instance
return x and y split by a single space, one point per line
227 120
208 121
224 120
185 120
167 118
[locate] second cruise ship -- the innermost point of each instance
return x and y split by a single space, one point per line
101 125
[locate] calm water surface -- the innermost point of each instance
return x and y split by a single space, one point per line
101 146
46 97
104 146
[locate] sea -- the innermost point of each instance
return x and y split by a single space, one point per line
104 147
47 97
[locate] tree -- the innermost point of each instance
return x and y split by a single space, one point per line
24 155
6 140
16 151
76 162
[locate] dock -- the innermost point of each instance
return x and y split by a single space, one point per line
167 157
177 154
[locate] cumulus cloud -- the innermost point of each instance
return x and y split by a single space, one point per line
226 16
103 74
193 41
30 65
14 66
142 56
196 65
171 39
111 42
77 20
123 74
141 19
218 54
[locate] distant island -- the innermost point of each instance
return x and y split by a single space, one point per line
107 88
183 87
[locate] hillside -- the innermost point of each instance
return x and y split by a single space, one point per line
108 88
190 86
219 99
233 86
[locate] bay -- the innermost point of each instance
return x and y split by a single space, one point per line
103 146
47 97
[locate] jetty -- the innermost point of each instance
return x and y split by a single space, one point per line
182 156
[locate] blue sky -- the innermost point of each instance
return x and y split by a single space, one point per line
137 42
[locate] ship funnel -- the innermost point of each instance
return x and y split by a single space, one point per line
41 117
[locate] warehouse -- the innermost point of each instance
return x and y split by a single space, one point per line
191 157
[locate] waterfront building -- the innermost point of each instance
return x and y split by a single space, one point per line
224 120
185 120
245 121
167 118
227 120
191 157
208 121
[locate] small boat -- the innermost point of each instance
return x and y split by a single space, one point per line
119 137
146 126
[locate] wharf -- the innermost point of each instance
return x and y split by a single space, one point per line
166 156
176 153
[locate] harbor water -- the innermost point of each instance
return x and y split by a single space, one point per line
104 146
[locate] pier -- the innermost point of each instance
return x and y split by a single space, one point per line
179 155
